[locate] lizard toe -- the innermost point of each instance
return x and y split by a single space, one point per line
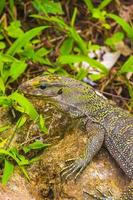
73 169
99 196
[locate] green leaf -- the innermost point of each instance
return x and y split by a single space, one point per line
98 14
2 45
12 4
112 41
27 105
13 153
35 145
17 68
81 43
82 73
3 142
24 39
107 26
67 46
103 4
40 56
25 172
96 77
47 6
38 6
68 59
5 152
14 29
28 52
42 52
5 101
21 121
42 124
2 5
53 7
2 86
89 5
1 37
20 159
127 66
126 27
5 58
8 171
60 21
93 47
4 128
35 159
73 17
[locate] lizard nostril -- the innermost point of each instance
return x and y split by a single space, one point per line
60 91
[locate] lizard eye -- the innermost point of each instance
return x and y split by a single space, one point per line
43 86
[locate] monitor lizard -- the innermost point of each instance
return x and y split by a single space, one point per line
106 123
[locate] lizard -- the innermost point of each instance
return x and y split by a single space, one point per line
106 123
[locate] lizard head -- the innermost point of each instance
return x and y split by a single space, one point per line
66 93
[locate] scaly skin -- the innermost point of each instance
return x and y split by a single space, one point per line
104 122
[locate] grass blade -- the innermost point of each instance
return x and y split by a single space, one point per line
67 46
89 5
8 171
17 68
125 26
27 105
2 5
69 59
127 66
103 4
80 42
26 37
2 86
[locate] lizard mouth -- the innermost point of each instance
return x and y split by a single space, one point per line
25 88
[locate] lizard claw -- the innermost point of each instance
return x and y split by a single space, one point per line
76 167
101 197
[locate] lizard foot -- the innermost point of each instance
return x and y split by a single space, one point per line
74 167
101 195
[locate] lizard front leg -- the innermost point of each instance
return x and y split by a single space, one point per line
94 144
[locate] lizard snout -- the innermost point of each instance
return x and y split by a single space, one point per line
24 87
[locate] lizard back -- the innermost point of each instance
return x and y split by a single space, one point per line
119 138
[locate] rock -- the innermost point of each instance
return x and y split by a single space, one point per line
16 189
101 176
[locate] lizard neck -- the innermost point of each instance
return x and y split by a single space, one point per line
93 105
